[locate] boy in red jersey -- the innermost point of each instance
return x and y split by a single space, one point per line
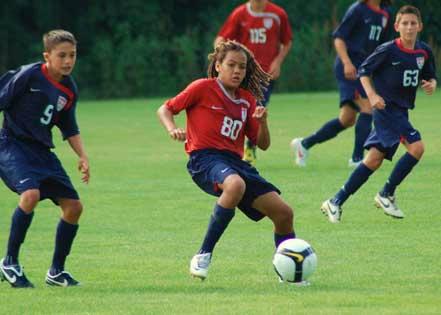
221 111
264 29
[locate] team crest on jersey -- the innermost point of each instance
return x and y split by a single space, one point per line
268 23
384 21
244 113
61 102
420 62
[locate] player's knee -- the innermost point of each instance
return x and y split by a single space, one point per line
234 185
29 199
73 210
347 122
284 216
417 150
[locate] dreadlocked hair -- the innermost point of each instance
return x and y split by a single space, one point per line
255 78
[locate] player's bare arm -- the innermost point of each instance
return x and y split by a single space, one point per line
166 118
342 52
263 136
376 100
83 162
275 67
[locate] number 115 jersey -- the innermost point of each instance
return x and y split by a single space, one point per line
214 119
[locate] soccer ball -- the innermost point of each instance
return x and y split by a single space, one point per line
294 260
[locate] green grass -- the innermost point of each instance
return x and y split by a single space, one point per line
144 219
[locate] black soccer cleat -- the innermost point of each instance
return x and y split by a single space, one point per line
61 279
14 275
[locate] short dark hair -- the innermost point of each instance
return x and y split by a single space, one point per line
383 2
408 9
55 37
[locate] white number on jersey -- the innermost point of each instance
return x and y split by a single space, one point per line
410 78
258 35
231 128
375 32
48 112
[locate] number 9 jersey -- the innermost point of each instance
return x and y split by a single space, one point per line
214 119
33 103
397 71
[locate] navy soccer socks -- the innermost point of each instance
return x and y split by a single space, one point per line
64 238
328 131
19 226
279 238
219 221
403 167
363 128
358 177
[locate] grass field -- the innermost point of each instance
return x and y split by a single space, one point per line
144 219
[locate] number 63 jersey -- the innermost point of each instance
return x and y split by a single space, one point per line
214 119
397 71
33 103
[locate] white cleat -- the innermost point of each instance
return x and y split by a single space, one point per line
199 265
353 164
332 211
389 206
300 153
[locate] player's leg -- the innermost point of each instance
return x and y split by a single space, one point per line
66 231
275 208
372 161
232 188
20 223
328 131
363 128
386 197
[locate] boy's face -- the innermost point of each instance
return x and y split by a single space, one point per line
408 26
61 59
232 69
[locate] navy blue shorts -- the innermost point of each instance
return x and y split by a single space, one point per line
209 168
391 126
25 165
349 89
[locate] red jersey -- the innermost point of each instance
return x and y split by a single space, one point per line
261 32
214 119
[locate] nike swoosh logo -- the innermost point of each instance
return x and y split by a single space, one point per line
396 63
216 107
299 258
12 279
224 170
24 180
413 133
386 205
35 90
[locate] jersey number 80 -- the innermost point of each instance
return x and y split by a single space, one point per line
231 128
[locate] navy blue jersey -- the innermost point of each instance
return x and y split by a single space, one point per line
33 103
363 28
397 71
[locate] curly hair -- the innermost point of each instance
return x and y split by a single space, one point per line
255 79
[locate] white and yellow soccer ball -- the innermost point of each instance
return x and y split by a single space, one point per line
295 260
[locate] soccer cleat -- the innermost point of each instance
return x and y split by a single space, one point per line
353 164
250 154
389 206
14 275
61 279
331 210
199 265
300 153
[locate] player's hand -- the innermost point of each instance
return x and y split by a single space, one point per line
274 70
350 71
177 134
377 101
260 114
83 167
428 86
